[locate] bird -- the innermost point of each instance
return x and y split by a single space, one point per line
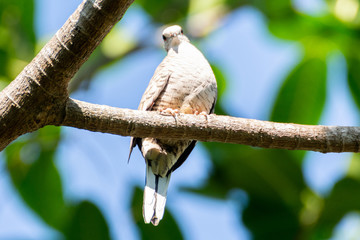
183 83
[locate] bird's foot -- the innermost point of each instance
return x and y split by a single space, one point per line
169 111
201 113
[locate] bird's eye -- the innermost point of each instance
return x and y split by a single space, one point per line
164 37
182 32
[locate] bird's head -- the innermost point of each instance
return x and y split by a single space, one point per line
173 36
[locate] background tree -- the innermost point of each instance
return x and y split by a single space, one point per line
267 186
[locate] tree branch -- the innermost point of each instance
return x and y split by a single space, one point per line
38 95
126 122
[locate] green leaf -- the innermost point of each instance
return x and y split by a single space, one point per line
301 98
17 17
17 41
220 79
87 223
344 198
270 219
30 162
294 28
221 84
354 167
297 27
275 9
354 78
166 229
164 11
235 4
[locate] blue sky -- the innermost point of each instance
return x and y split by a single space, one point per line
93 165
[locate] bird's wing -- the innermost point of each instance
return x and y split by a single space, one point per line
183 157
156 85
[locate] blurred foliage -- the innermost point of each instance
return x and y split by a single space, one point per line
31 167
86 222
17 41
298 104
280 204
165 11
353 78
273 184
30 163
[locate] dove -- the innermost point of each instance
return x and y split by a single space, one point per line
183 83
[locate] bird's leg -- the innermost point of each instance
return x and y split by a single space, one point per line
169 111
203 113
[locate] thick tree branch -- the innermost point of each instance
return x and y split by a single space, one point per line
126 122
38 95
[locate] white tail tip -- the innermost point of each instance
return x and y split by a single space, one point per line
154 197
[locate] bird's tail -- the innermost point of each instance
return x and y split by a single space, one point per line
154 196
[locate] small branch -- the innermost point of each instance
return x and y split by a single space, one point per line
126 122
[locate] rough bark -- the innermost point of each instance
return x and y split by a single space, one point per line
38 95
213 128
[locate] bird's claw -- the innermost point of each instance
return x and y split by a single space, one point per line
203 113
169 111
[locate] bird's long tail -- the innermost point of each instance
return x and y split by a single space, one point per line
154 196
